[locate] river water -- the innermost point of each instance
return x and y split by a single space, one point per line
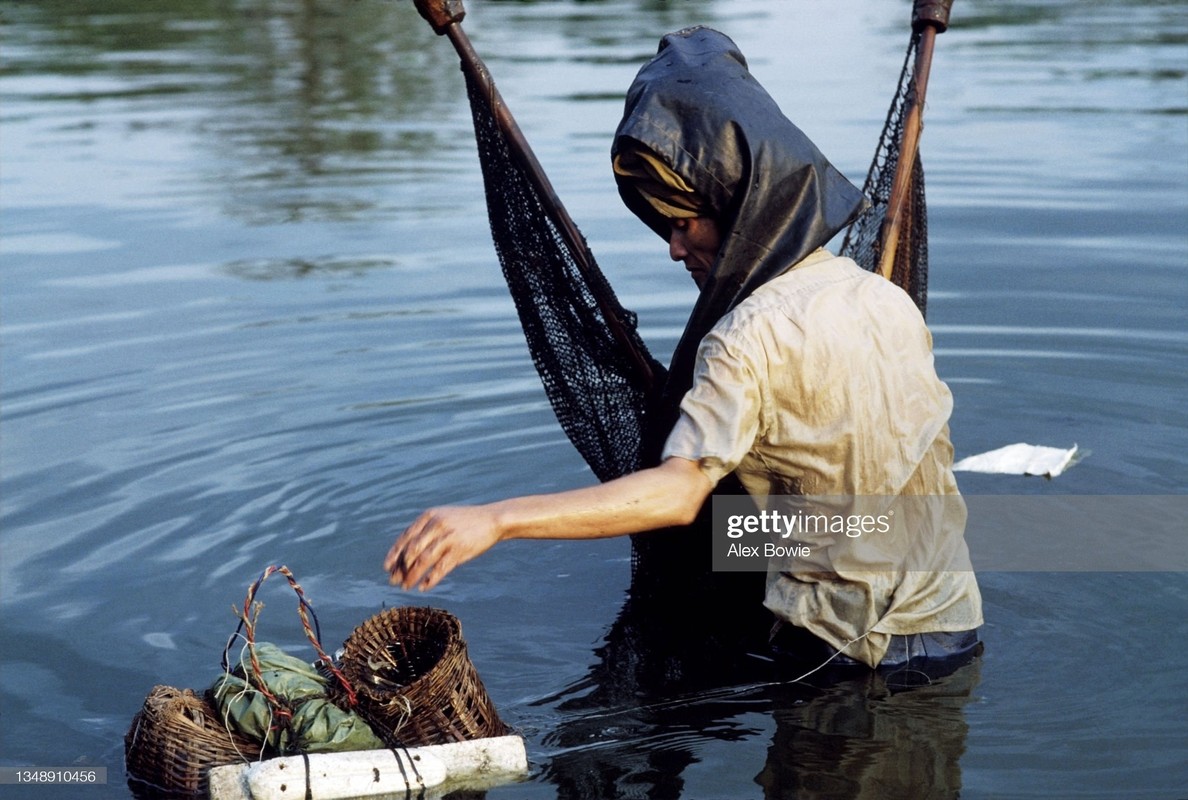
251 314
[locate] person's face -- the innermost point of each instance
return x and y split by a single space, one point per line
695 241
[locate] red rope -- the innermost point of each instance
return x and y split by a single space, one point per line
248 617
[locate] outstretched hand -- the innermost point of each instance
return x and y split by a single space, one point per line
444 537
439 540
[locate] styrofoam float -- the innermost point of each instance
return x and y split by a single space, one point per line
477 764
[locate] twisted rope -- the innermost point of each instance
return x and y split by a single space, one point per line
248 616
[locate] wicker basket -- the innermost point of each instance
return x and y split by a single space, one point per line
175 739
415 682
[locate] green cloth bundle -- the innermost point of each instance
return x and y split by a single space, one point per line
317 725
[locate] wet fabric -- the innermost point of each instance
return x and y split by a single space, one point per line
696 107
317 725
695 121
820 386
935 654
664 190
820 383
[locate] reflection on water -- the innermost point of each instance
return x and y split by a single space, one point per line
865 739
297 268
677 674
304 110
250 313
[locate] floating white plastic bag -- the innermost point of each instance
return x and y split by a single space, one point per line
1021 459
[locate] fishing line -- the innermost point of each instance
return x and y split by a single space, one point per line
713 694
226 715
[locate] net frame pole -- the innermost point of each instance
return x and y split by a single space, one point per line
445 16
929 17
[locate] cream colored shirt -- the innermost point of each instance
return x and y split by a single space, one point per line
821 384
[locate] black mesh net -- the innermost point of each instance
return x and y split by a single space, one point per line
586 347
864 239
568 311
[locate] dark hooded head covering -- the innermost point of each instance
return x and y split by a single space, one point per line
696 109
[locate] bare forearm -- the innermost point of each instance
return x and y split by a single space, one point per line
442 538
668 495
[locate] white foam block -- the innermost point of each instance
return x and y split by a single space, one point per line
368 773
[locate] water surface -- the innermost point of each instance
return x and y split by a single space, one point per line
250 314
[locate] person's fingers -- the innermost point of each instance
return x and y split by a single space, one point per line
418 559
437 542
440 562
438 559
400 569
392 559
403 552
433 575
422 550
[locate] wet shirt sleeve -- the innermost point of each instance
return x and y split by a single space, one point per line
720 417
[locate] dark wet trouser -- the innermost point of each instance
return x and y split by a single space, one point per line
933 655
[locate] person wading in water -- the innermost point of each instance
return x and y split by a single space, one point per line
799 373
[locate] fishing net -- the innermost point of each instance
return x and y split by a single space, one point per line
583 342
599 377
864 238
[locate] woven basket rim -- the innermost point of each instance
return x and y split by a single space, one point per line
367 634
166 750
448 699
